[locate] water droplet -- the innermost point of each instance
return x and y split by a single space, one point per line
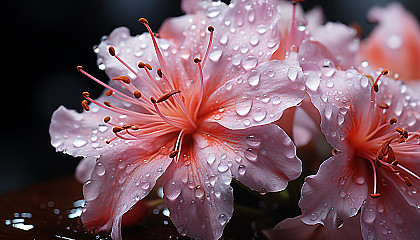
328 111
342 181
253 140
247 122
313 216
223 219
198 191
215 55
172 190
358 179
254 79
243 105
183 230
340 119
223 167
249 62
258 114
100 169
210 158
213 12
224 38
250 154
364 81
145 185
263 191
330 83
254 39
261 29
342 193
102 128
292 73
79 141
313 81
339 222
368 215
241 169
324 97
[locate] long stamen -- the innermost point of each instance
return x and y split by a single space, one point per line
374 194
164 118
211 30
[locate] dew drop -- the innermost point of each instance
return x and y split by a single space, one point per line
250 154
243 105
261 29
340 119
258 114
330 83
100 169
79 141
313 216
249 62
254 79
254 39
223 167
364 81
172 190
369 215
241 169
145 185
358 179
223 219
215 55
224 38
292 73
210 158
263 191
198 191
328 111
313 81
213 12
253 140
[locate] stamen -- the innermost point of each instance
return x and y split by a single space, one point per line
408 182
124 79
405 133
85 105
111 51
211 30
200 67
394 163
137 94
166 96
159 72
375 86
107 119
173 153
393 121
117 129
399 130
383 105
109 92
375 195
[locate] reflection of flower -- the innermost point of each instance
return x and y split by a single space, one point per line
376 140
202 117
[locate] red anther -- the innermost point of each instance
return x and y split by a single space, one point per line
159 72
375 87
210 28
79 68
399 130
137 94
143 21
375 195
153 100
85 94
408 182
85 105
111 51
395 163
197 60
173 153
393 120
124 79
166 96
141 65
405 133
383 105
109 92
148 66
384 72
107 119
108 104
117 129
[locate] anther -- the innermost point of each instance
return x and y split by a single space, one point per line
173 153
210 28
85 94
137 94
111 51
143 21
394 163
371 81
79 68
85 105
117 129
109 92
148 66
384 72
197 60
375 87
159 72
399 130
166 96
402 139
153 100
405 133
107 119
124 79
383 105
141 65
108 104
408 182
375 195
393 120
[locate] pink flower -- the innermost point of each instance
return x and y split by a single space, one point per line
196 113
395 42
376 164
294 228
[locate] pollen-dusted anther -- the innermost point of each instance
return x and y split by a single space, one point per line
375 87
124 79
166 96
137 94
79 68
85 105
395 163
153 100
197 60
111 51
85 94
107 119
383 105
408 182
173 153
210 28
109 92
399 130
108 104
159 72
393 120
384 72
375 195
117 129
143 21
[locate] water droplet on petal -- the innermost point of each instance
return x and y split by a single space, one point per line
340 119
292 73
213 12
253 140
210 158
224 38
100 169
313 216
223 219
328 111
243 105
368 215
79 141
254 39
222 167
215 55
313 81
254 79
263 191
258 114
250 154
198 191
172 190
241 169
249 62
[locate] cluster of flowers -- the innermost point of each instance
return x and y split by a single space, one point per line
214 95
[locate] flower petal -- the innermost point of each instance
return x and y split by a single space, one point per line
335 193
391 216
198 196
119 180
258 98
394 44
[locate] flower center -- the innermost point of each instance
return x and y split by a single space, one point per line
165 111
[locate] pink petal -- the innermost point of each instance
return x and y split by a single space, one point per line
85 168
344 45
258 98
335 193
394 44
173 28
391 216
294 228
119 180
304 128
198 195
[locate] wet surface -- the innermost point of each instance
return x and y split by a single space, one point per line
51 210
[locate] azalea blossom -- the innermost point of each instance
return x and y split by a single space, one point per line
394 44
192 108
372 122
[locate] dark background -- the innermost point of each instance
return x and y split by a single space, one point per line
44 42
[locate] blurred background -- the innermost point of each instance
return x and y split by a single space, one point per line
44 42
